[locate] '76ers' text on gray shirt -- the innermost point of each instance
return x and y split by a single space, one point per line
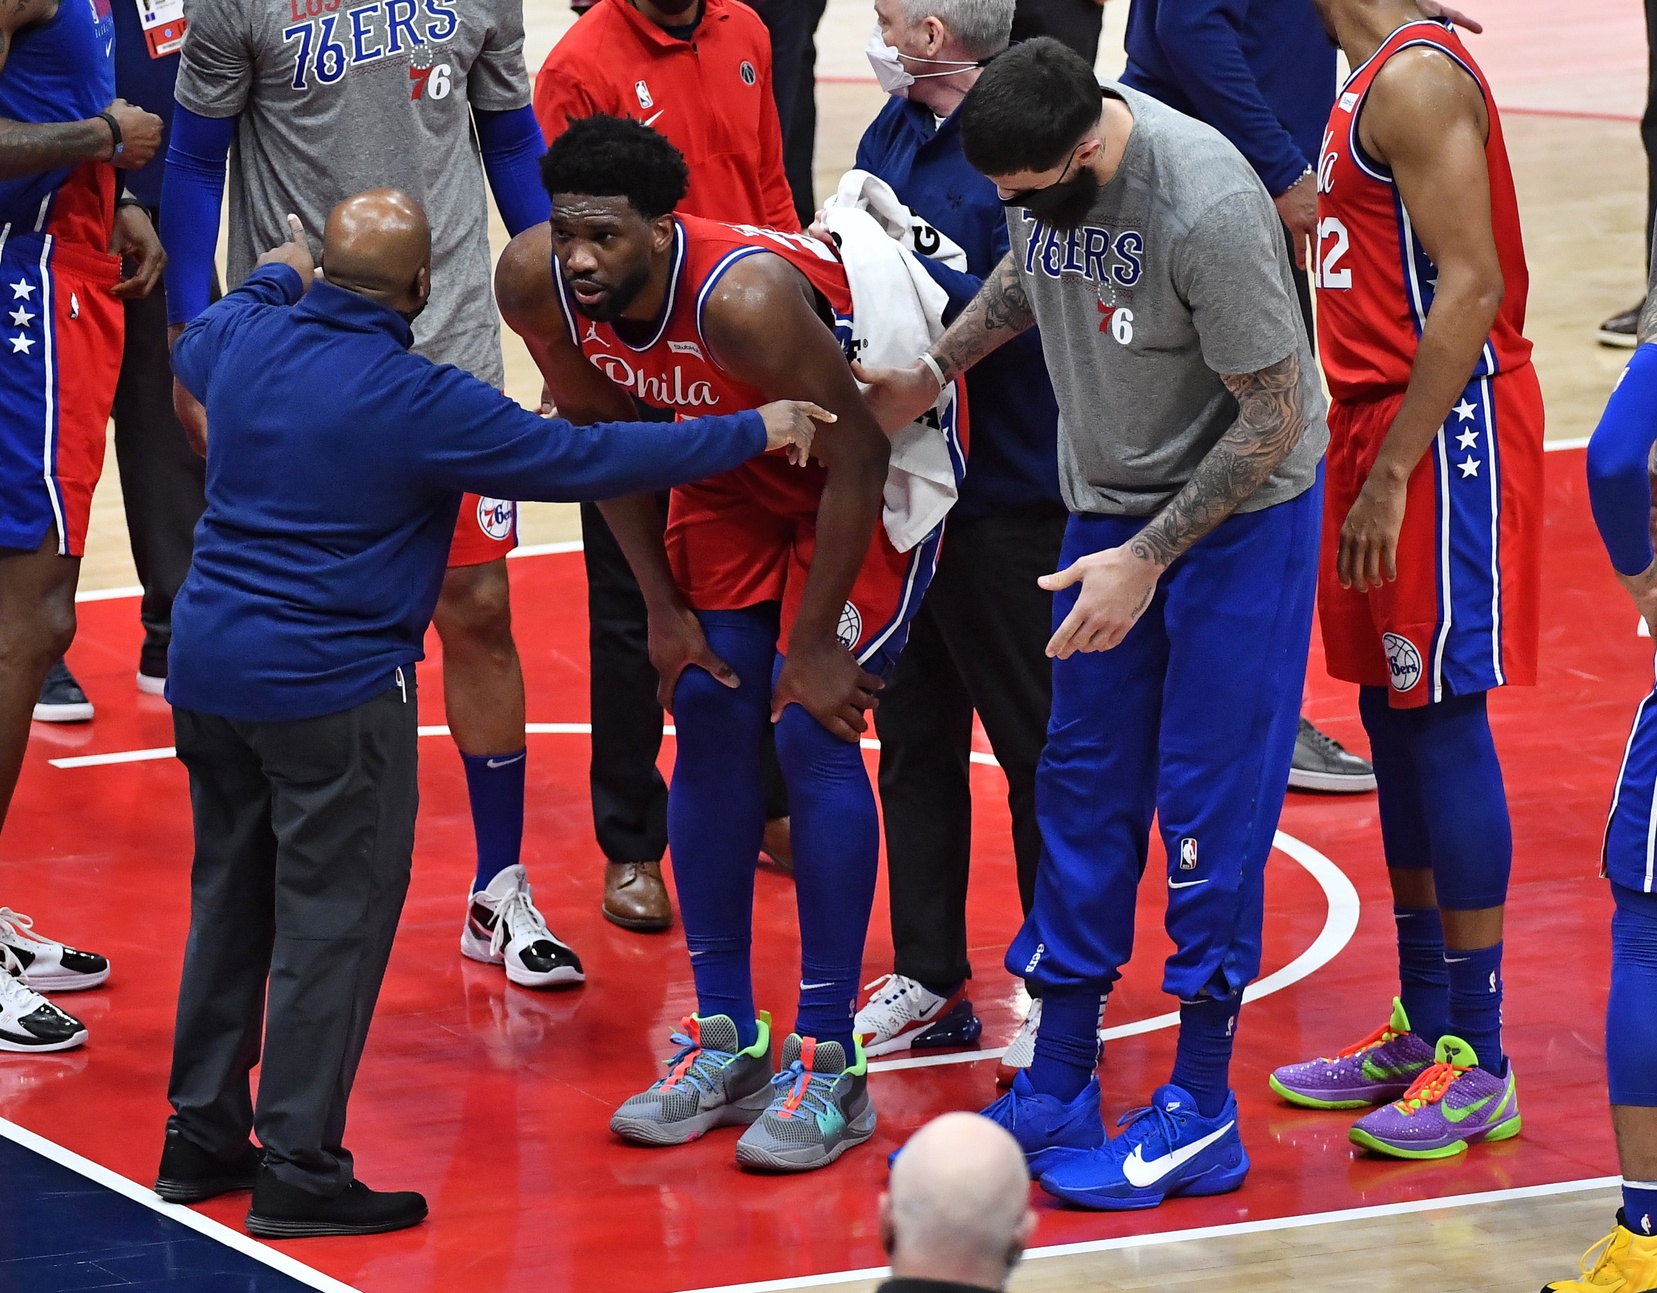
1178 274
338 97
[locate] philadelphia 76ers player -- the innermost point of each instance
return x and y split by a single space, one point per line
1431 557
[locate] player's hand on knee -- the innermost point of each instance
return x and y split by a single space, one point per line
791 424
140 135
676 642
1368 553
1117 587
897 396
192 416
135 237
827 682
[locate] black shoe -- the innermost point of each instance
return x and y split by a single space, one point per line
61 698
1323 763
190 1174
283 1211
1622 330
152 668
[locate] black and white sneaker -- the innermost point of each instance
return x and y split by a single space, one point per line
1323 763
61 698
503 927
28 1022
1621 331
49 966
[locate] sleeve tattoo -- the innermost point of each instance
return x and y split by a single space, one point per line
1270 421
999 312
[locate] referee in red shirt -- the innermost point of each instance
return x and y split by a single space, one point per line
698 72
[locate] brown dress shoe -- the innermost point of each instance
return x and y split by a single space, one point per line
778 846
635 897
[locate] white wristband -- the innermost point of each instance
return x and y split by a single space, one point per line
937 371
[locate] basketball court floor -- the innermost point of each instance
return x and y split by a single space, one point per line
495 1101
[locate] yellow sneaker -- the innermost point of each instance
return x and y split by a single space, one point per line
1623 1262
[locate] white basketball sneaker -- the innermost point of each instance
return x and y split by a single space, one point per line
29 1022
503 927
49 966
1021 1050
903 1014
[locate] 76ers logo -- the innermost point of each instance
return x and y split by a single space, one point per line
1403 661
495 517
851 627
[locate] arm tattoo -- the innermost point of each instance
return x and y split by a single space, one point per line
1270 421
999 312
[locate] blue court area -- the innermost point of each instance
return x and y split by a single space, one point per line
63 1233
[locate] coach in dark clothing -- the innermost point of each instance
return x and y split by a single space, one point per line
335 469
979 641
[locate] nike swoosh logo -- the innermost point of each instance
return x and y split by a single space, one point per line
651 120
1466 1111
1185 884
1457 960
507 763
1141 1174
807 987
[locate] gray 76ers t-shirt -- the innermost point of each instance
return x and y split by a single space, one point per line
336 97
1178 274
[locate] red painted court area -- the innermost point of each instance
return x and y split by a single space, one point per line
495 1101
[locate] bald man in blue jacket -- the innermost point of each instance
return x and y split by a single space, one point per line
335 467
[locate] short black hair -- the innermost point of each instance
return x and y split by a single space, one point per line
1029 108
602 156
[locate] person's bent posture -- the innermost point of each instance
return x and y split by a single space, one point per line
1152 259
622 298
956 1215
335 469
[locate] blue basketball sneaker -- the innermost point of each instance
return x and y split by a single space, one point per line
1046 1128
1167 1148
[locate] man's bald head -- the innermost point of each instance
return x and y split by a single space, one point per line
379 245
958 1206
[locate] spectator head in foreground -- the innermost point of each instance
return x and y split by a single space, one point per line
957 1210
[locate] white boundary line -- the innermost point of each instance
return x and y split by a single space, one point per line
1338 927
289 1266
1264 1226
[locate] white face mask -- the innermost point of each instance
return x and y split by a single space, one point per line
893 76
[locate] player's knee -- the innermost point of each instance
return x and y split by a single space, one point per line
1631 1024
475 608
805 748
40 638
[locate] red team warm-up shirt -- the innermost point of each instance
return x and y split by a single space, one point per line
710 95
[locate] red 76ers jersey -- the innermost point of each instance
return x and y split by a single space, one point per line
1375 282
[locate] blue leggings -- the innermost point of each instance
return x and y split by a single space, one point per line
716 819
1631 1016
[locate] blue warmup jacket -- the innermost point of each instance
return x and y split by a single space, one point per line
1261 72
335 468
1013 463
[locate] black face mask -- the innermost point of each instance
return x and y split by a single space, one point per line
1064 204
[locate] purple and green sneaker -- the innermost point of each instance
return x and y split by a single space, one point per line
1452 1105
1376 1070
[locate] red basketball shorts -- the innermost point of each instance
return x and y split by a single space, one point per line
486 530
749 536
60 354
1463 614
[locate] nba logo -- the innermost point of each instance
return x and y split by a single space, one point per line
1188 854
643 91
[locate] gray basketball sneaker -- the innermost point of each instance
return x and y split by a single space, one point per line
819 1109
1323 763
710 1083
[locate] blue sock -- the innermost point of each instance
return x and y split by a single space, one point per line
1423 978
495 785
716 811
1631 1030
836 837
1067 1044
1476 1002
1639 1206
1202 1059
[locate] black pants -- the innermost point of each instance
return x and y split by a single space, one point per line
793 28
304 835
1076 23
162 478
628 793
978 643
1648 125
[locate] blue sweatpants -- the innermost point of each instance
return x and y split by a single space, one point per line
1191 718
